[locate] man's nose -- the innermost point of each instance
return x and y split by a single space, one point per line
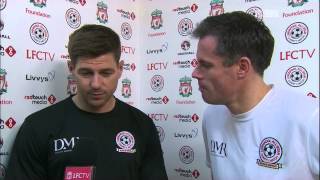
196 74
95 81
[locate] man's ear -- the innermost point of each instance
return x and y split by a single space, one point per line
70 66
244 66
121 63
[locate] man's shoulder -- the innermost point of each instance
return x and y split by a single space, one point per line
51 112
126 107
296 100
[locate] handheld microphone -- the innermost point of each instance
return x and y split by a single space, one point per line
81 165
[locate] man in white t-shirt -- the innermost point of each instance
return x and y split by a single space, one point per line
251 130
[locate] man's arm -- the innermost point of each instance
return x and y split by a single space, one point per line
313 143
27 158
153 167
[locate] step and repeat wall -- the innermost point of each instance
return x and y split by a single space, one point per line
159 56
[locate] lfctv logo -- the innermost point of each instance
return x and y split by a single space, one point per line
39 55
41 99
296 54
157 66
128 49
158 116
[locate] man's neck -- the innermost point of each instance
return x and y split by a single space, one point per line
249 96
107 107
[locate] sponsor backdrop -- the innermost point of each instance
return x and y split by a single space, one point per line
159 56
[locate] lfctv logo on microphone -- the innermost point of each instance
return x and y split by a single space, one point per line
76 173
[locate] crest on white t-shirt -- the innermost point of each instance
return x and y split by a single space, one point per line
270 152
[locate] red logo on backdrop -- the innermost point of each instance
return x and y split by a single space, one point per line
79 173
185 88
196 174
126 88
195 117
82 2
165 99
311 95
216 7
10 51
194 63
102 12
51 99
194 8
156 19
133 66
10 123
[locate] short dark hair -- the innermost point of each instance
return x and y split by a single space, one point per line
239 34
93 40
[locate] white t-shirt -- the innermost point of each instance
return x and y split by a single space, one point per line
277 139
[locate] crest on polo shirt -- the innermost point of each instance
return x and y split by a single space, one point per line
125 141
270 152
